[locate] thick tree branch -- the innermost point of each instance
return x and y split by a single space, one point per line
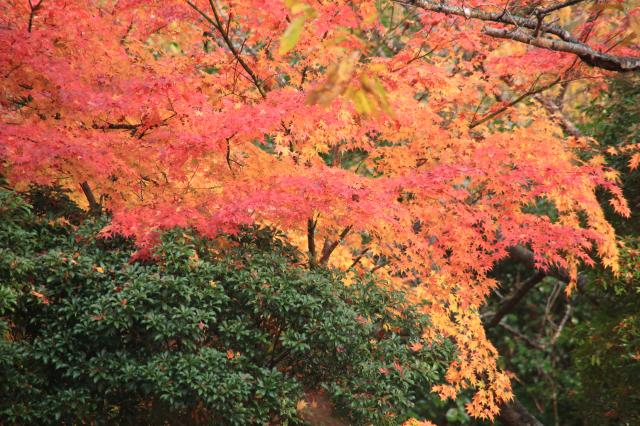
311 242
566 43
329 246
94 206
516 414
526 256
511 302
584 52
502 17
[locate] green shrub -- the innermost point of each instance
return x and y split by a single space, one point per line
195 334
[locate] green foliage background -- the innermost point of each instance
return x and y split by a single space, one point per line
193 334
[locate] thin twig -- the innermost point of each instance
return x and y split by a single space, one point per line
528 340
515 102
217 24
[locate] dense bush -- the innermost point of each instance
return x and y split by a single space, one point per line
197 333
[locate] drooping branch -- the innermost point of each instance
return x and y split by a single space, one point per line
566 42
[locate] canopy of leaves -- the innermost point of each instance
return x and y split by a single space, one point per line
405 135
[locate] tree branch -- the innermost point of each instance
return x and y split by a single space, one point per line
33 9
563 322
566 43
528 340
502 17
527 257
311 241
514 102
329 246
515 414
548 10
358 258
515 298
555 110
94 206
217 24
584 52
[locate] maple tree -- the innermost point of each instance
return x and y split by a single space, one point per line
406 139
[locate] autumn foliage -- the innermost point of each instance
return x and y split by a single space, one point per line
379 136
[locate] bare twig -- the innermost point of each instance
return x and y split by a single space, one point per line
563 322
528 340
